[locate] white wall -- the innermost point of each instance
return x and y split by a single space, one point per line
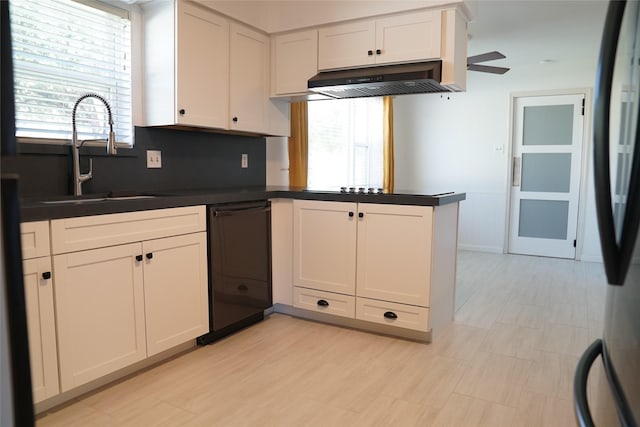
452 142
277 161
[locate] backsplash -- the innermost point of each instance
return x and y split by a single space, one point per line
190 160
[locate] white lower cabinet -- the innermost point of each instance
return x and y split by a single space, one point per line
324 302
175 290
100 312
38 291
371 262
391 314
118 304
324 246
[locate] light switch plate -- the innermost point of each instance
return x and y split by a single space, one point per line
154 159
244 162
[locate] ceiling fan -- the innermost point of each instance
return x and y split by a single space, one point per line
472 63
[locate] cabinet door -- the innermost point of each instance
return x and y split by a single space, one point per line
346 45
294 61
324 245
175 290
38 291
202 67
248 81
410 37
100 312
394 253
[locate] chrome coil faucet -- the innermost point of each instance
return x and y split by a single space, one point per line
79 178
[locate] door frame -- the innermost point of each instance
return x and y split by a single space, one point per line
585 165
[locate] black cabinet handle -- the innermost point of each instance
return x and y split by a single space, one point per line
378 52
138 258
149 255
235 120
46 275
182 111
360 215
390 315
350 214
243 288
370 53
323 303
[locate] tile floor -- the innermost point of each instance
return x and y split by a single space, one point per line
521 324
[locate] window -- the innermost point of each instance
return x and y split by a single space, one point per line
345 143
63 49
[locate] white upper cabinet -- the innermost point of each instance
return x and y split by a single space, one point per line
412 37
202 73
346 45
186 80
203 70
401 38
294 60
249 84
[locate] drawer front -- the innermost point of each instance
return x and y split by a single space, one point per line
406 316
35 239
76 234
324 302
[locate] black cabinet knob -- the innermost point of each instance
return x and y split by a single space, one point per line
138 258
378 52
323 303
235 120
46 275
390 315
181 111
149 255
370 53
350 214
360 215
243 288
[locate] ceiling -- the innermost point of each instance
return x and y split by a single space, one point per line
532 31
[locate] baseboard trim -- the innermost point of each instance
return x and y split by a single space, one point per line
481 248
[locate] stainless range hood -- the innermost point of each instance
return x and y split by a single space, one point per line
402 79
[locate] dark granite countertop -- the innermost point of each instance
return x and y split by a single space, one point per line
33 209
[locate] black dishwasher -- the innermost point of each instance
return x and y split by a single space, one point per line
239 266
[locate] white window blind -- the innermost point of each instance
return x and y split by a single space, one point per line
345 143
63 49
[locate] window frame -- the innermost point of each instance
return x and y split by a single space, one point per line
135 16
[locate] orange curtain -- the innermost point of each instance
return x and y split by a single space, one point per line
298 145
387 144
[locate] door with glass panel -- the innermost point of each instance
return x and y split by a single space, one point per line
545 187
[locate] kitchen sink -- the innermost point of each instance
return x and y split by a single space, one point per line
90 200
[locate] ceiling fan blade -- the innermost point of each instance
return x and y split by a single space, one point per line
483 57
487 69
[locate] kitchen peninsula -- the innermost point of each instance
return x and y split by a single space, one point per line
379 262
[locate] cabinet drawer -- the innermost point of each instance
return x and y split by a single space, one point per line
336 304
35 239
76 234
407 316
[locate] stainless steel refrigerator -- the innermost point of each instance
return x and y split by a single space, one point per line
16 403
615 400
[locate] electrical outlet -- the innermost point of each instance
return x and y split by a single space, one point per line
154 159
244 162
